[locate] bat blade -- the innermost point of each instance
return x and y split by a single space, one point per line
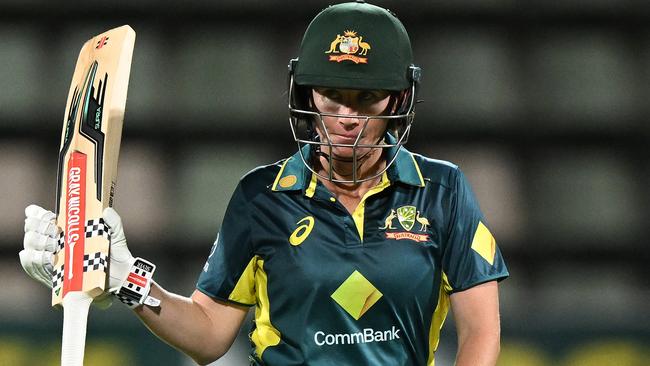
87 173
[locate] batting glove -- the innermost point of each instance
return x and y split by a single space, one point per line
129 277
40 242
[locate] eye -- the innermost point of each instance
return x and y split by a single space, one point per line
367 97
331 94
370 96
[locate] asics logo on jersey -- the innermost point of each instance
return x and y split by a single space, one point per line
302 231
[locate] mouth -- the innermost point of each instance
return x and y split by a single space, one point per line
345 139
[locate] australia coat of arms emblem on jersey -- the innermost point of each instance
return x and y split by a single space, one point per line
349 47
407 217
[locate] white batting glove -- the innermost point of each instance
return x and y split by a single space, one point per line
121 258
40 241
41 237
130 278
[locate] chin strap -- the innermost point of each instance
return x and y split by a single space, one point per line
135 289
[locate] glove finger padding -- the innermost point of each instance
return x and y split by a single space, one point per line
41 220
48 228
36 241
121 258
115 227
39 212
38 265
41 240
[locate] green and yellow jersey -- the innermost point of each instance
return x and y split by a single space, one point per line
334 288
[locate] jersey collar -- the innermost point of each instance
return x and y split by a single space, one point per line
405 169
294 175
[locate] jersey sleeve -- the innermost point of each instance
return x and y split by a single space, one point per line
229 272
471 256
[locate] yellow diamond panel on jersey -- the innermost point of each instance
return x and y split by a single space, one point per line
484 243
356 295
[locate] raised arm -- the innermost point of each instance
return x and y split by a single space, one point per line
199 326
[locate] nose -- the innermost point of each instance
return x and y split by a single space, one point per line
349 123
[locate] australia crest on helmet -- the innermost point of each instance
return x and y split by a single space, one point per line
349 47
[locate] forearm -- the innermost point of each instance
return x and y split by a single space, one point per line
478 349
183 324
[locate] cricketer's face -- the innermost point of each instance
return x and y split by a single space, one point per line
345 130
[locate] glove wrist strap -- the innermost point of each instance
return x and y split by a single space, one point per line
135 289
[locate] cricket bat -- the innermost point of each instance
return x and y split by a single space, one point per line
87 172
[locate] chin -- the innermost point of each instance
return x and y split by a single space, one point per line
346 153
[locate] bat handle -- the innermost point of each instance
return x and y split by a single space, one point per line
75 317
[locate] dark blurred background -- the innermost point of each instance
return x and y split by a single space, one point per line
543 104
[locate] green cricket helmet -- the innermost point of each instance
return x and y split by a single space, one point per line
353 45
